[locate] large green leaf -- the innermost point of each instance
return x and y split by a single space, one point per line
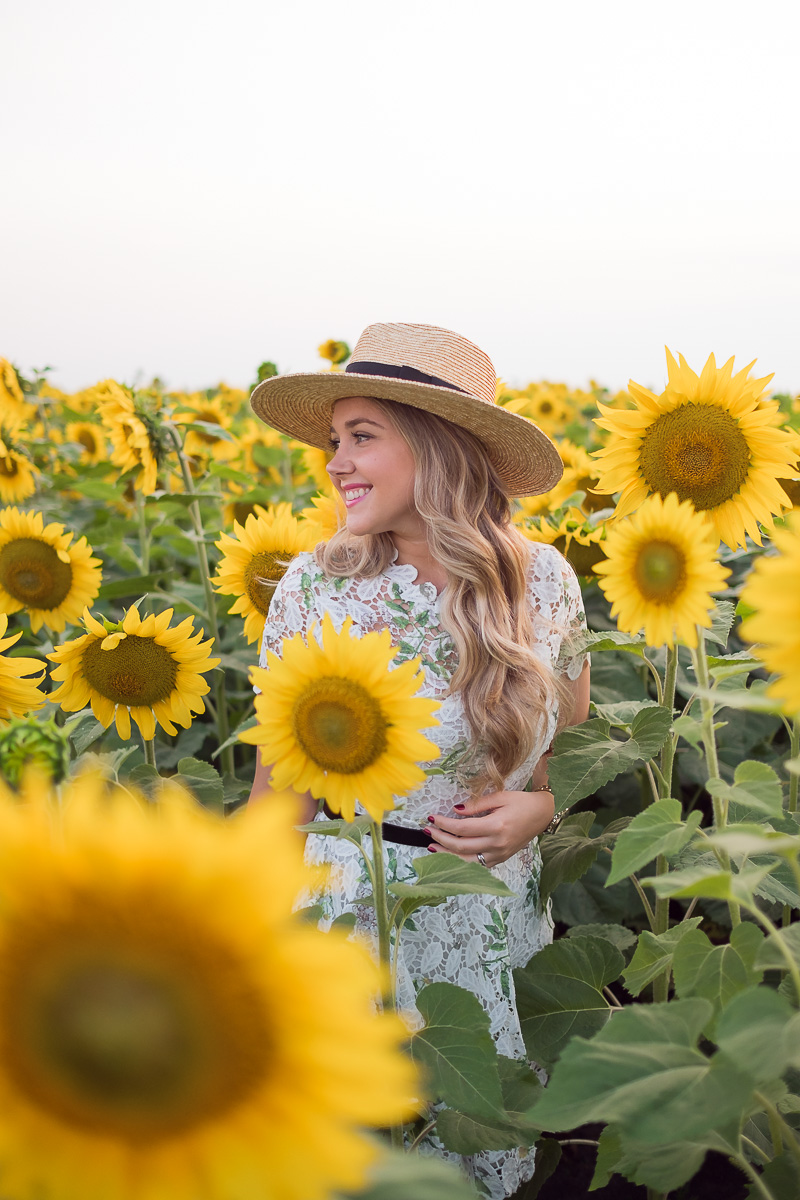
466 1134
759 1031
662 1168
560 993
399 1176
609 639
643 1070
657 830
709 882
203 781
570 850
441 875
587 756
769 956
618 935
756 788
131 585
457 1051
718 973
781 1178
653 955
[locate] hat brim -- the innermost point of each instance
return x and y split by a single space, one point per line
300 406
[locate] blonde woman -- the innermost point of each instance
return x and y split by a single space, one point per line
425 462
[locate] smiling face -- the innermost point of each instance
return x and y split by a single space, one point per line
373 470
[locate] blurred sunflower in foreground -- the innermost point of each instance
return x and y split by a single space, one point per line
336 720
661 570
43 572
161 1030
711 438
140 668
772 590
256 558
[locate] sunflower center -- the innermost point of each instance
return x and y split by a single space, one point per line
33 574
137 672
139 1040
88 440
9 467
339 725
262 573
697 451
660 571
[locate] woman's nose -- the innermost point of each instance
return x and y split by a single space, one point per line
339 464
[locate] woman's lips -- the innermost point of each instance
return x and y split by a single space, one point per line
353 495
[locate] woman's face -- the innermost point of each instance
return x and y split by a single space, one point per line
372 469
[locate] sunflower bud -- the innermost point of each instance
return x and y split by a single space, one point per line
26 742
335 352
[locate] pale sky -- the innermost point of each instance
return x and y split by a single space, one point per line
190 188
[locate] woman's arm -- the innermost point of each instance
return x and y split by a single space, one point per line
501 824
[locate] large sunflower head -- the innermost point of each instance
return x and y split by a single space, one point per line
256 558
139 667
161 1027
18 475
335 719
326 512
91 438
215 441
711 438
42 571
18 695
772 590
660 570
132 424
574 536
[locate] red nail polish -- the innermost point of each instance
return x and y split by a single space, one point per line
432 820
459 807
428 832
433 849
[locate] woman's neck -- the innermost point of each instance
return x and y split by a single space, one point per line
416 553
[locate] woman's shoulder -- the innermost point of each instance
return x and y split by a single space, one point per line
549 573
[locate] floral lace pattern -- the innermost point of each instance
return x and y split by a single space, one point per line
472 941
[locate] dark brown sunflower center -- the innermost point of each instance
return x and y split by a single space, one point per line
204 435
339 725
660 571
136 1041
582 558
697 451
33 574
9 467
88 440
262 573
138 671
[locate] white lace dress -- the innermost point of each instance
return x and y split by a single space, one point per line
472 941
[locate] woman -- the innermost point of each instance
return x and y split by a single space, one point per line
425 462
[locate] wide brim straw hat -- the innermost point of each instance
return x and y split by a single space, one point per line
428 368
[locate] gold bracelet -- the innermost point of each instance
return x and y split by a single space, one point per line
558 818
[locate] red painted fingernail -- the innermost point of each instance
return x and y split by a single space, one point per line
433 849
459 807
428 832
432 820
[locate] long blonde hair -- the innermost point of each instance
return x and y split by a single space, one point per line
505 688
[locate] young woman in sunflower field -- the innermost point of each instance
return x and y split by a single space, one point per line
425 463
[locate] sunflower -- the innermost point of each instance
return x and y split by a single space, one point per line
581 474
772 590
549 405
43 572
712 439
256 434
335 352
328 512
17 474
18 696
256 557
660 571
162 1032
202 443
335 720
581 542
136 668
14 408
132 428
91 439
313 469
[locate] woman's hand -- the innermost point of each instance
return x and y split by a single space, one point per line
496 826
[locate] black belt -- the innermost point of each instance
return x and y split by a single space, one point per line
402 835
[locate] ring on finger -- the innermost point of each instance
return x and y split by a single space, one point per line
481 859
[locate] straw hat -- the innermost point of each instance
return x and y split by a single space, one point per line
429 368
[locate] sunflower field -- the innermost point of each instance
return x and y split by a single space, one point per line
142 532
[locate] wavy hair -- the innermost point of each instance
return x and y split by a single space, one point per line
505 688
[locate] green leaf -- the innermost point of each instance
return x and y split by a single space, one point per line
559 993
715 972
457 1051
769 956
132 585
202 779
397 1176
623 712
653 955
781 1177
756 788
546 1160
87 734
351 831
661 1168
747 841
570 850
618 935
586 756
643 1070
466 1134
441 875
145 777
721 621
708 882
609 639
758 1030
657 830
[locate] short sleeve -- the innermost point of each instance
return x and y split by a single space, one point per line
571 659
289 608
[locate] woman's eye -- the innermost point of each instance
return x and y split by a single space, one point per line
333 444
361 436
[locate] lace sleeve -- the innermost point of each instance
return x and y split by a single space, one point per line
557 609
571 660
290 607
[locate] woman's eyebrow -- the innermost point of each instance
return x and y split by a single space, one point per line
359 421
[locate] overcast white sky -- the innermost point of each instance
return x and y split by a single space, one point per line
190 187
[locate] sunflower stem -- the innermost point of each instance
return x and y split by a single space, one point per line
144 534
150 751
709 740
661 925
220 702
668 700
381 901
794 778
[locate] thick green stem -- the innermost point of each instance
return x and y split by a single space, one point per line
794 778
223 727
661 925
668 749
149 751
785 952
381 903
753 1175
781 1132
144 534
712 758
